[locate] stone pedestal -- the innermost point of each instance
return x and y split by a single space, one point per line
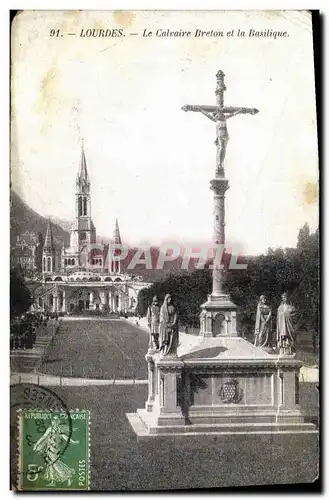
222 385
218 317
162 407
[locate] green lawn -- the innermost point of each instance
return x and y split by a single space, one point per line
119 462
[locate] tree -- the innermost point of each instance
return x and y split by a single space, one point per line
292 270
20 296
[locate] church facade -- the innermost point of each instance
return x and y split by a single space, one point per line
86 275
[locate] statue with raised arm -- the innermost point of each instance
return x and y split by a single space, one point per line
220 114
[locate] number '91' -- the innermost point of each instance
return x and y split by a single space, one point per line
54 32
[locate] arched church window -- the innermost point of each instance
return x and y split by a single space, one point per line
49 264
85 206
44 263
73 262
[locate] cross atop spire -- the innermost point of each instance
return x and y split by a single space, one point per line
116 233
83 182
49 242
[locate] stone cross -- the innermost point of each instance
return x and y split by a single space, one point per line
219 114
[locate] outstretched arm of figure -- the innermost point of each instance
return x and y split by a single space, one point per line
237 112
208 115
229 112
66 438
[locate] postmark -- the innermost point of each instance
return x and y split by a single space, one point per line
51 454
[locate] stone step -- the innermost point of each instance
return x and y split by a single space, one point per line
143 430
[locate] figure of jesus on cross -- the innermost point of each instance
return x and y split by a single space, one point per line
220 114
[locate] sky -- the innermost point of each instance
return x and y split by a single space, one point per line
149 162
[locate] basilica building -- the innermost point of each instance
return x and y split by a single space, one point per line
86 275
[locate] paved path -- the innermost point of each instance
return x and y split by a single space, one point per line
53 380
110 349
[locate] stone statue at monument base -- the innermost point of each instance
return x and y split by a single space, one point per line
263 322
153 321
285 327
168 328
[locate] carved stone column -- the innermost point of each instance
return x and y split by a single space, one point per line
64 301
219 303
102 297
219 187
55 303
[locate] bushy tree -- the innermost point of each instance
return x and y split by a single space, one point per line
291 270
20 296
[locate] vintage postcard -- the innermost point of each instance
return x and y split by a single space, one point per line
164 265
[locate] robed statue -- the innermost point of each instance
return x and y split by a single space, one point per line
153 321
285 326
168 328
263 322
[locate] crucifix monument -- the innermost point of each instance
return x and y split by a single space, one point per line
218 382
219 312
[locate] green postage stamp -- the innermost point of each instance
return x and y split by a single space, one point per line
53 450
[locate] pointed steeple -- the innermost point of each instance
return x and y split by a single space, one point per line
82 177
116 233
49 242
116 264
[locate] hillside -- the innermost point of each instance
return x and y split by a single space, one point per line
23 218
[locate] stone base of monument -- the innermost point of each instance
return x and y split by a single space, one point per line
218 316
220 385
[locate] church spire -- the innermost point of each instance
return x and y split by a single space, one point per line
116 242
49 242
82 177
116 233
48 252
